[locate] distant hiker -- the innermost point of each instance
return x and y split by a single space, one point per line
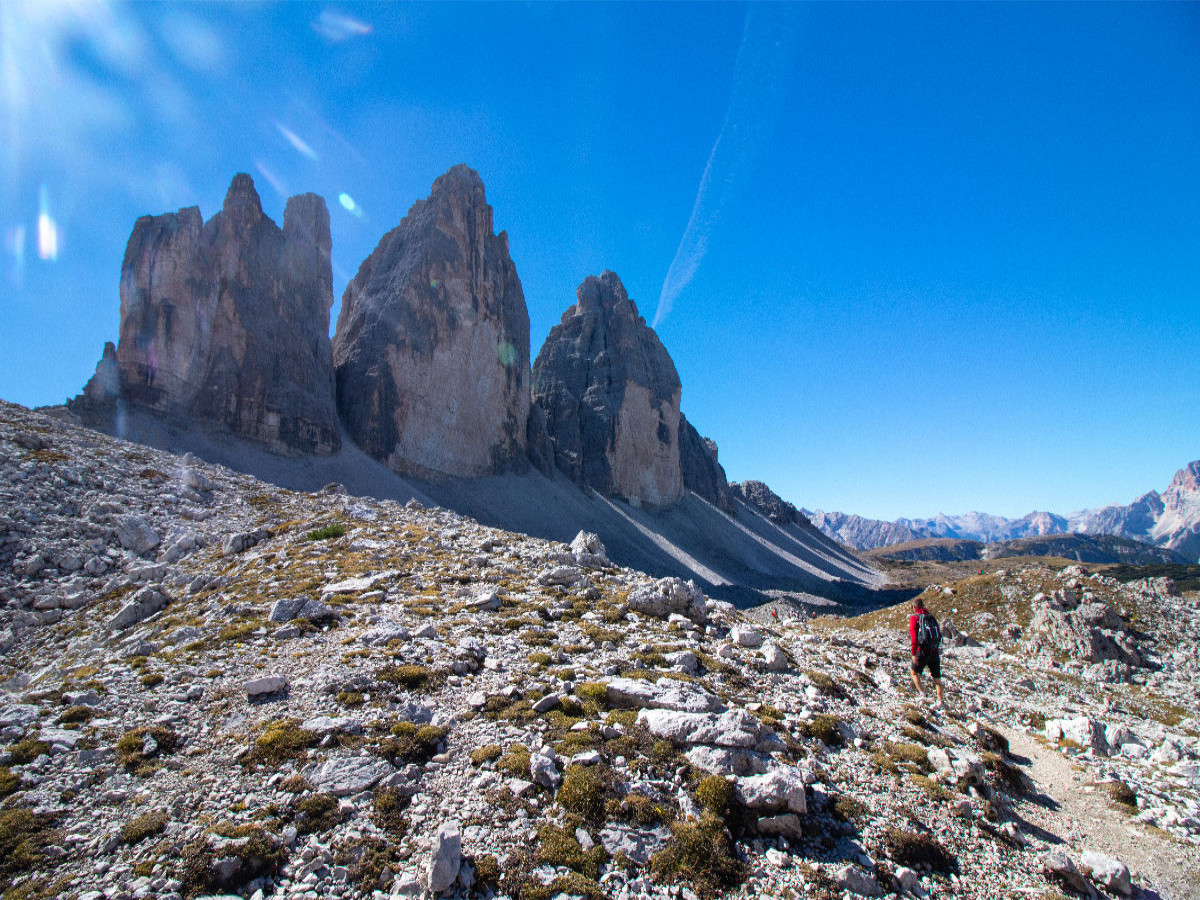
926 639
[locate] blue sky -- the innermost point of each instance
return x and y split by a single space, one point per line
924 257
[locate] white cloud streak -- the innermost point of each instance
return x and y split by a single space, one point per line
760 84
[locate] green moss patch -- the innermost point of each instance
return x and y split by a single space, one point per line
700 855
144 826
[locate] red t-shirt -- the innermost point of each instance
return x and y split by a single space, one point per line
912 629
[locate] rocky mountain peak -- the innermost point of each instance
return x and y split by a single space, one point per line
611 393
242 200
1187 479
432 342
227 322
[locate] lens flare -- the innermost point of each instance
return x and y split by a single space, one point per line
14 243
506 353
47 231
349 205
337 27
297 142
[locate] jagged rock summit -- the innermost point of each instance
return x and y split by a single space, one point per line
610 394
432 344
227 322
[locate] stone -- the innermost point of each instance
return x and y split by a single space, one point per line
610 394
141 606
787 825
227 322
669 596
775 791
547 703
1058 865
1087 733
432 344
774 657
1109 873
286 608
544 772
907 879
746 636
265 686
588 549
135 535
639 844
667 694
855 880
345 775
243 541
445 858
733 728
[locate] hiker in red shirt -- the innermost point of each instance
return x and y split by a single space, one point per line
926 639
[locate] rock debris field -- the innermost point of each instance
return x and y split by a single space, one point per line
215 687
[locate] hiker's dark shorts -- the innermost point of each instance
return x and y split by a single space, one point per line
931 658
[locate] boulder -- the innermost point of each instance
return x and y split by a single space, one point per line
445 858
669 694
432 345
135 535
746 636
776 791
610 394
265 686
732 728
141 606
855 880
1087 733
345 775
1111 874
667 596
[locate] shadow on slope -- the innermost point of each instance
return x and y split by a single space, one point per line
735 559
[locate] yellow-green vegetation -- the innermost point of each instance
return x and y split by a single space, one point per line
26 751
412 677
24 836
144 826
76 715
1006 773
599 635
295 784
280 741
931 787
486 754
593 692
365 860
387 808
335 530
715 794
10 782
907 755
699 853
316 813
352 699
558 846
487 871
848 809
152 680
516 761
540 658
912 849
133 745
586 790
412 743
824 728
1122 796
260 856
498 706
824 682
640 809
921 736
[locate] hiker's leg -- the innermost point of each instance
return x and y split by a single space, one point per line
916 679
937 685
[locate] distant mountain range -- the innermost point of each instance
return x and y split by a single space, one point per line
1168 520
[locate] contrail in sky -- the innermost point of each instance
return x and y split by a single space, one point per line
760 84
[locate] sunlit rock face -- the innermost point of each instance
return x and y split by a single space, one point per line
227 321
432 344
610 394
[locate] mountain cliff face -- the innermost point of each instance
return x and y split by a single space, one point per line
610 394
702 473
432 344
1170 519
227 321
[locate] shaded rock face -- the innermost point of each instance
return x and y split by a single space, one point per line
771 504
227 321
610 394
432 345
702 473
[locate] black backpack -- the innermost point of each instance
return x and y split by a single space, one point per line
929 636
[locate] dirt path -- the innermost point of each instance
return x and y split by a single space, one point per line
1086 820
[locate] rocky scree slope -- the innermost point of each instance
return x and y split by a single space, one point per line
214 685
